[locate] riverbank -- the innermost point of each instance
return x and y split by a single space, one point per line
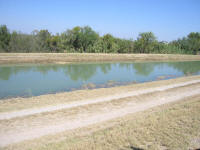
101 94
113 114
62 58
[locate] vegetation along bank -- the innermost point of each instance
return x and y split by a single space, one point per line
85 39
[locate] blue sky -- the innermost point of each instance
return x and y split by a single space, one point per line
168 19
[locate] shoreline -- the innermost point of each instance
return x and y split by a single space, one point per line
53 123
72 105
19 103
54 116
65 58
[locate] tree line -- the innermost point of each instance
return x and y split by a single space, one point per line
85 39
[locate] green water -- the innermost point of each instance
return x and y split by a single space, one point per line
32 80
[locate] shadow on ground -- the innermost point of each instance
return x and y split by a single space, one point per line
135 148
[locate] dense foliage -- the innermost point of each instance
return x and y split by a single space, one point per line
85 39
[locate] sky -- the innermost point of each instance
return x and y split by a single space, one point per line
167 19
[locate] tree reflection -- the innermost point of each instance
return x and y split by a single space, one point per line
144 68
191 67
126 65
6 72
44 69
82 72
86 71
105 68
74 71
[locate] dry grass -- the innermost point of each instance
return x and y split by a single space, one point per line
60 116
15 104
171 126
8 58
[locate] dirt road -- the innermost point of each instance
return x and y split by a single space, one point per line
35 123
27 112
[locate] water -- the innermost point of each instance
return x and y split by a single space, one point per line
33 80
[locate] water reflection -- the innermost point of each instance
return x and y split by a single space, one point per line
186 67
30 80
82 72
144 68
86 71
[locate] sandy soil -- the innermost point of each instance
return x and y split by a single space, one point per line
27 112
19 103
8 58
26 128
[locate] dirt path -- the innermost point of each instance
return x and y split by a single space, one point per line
27 112
20 129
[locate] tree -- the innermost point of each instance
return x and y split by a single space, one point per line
74 38
194 42
124 46
79 39
109 42
87 37
20 42
64 42
71 40
98 46
189 44
4 38
145 42
42 38
53 44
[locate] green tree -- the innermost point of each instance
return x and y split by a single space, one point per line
42 38
71 39
79 39
75 38
64 42
4 38
124 46
53 44
110 45
20 42
145 42
98 46
87 38
194 42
